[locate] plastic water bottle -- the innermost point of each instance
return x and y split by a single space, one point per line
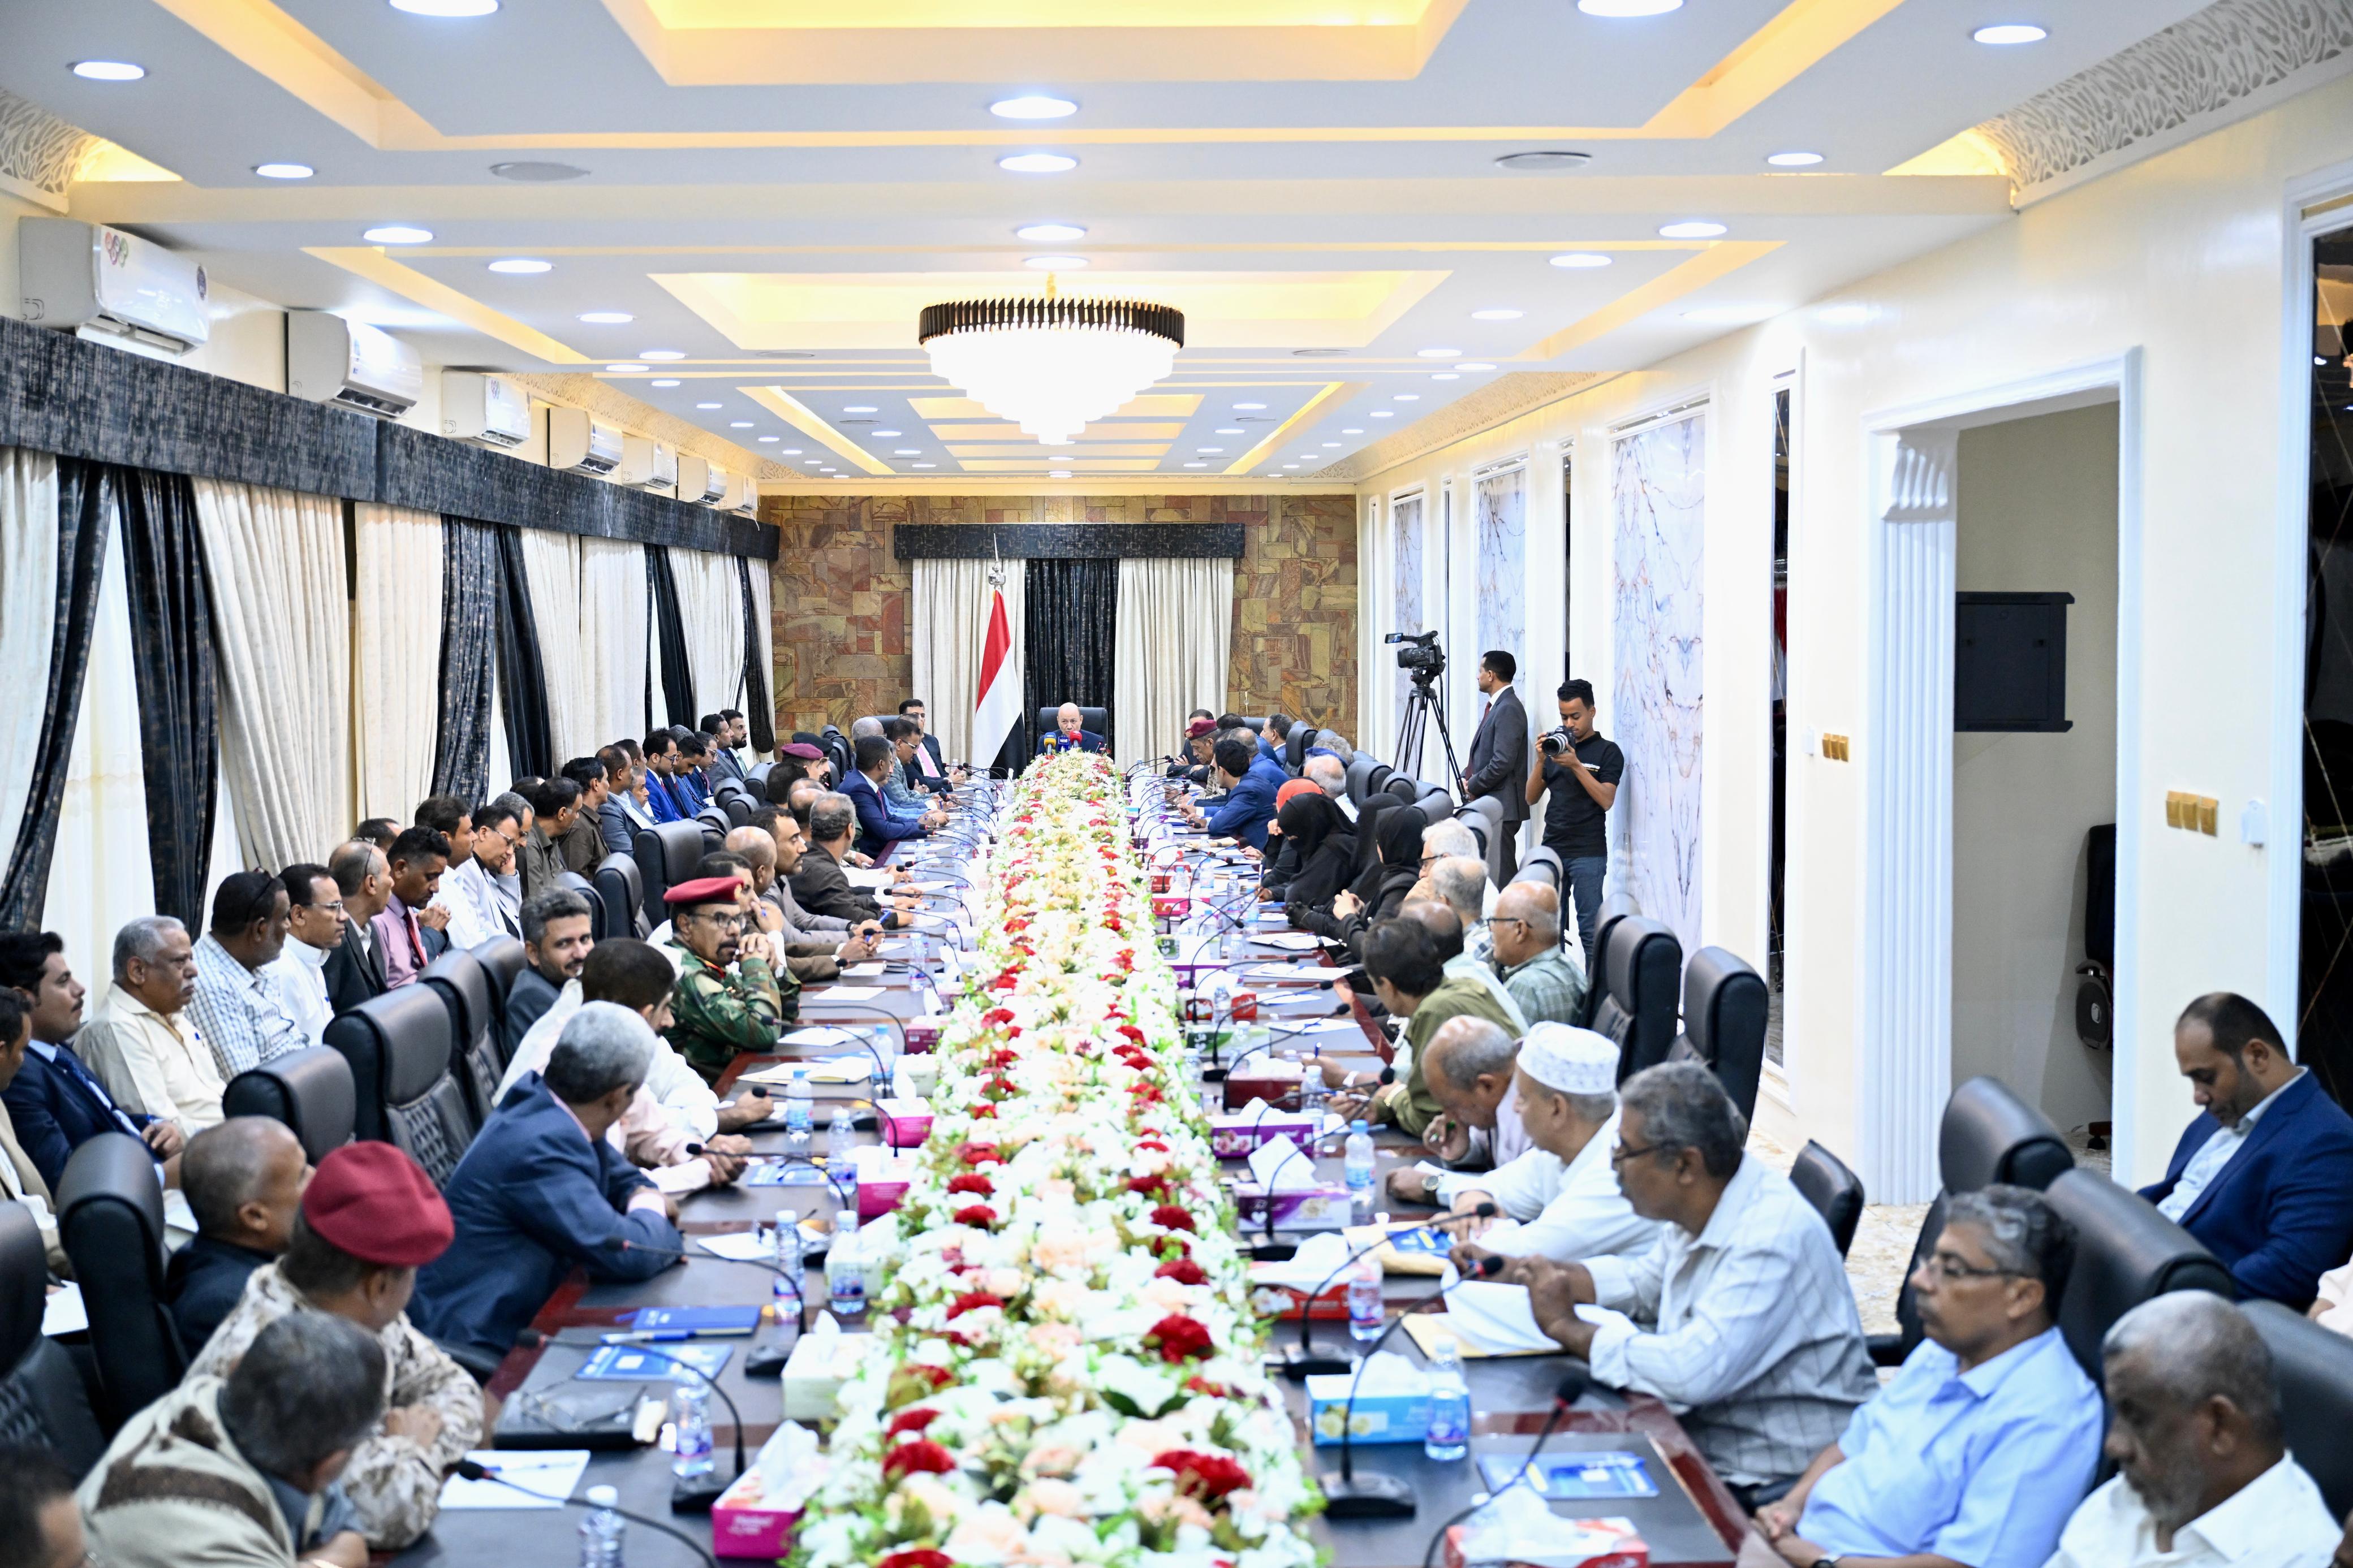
1311 1089
798 1110
692 1426
1357 1170
1366 1319
602 1529
845 1275
785 1294
885 1042
841 1133
1449 1404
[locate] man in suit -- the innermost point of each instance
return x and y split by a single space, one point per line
582 844
56 1104
692 778
355 970
879 824
664 800
470 889
410 932
1272 736
244 1179
726 734
541 1192
930 769
1250 781
627 804
1070 733
1499 758
2261 1178
818 882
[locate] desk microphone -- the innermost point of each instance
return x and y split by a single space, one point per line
1567 1393
623 1244
688 1494
1380 1496
881 1068
478 1472
1304 1361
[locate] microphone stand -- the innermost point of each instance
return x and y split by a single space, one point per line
622 1244
695 1494
1380 1496
473 1471
1570 1389
1302 1361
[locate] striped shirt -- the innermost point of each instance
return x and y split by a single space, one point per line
239 1012
1549 988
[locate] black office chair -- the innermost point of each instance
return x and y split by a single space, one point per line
714 821
398 1045
111 1222
1295 748
838 749
1724 1022
2314 1369
574 882
1097 720
755 779
1406 787
1434 803
502 960
738 804
621 887
43 1402
1484 818
667 853
2125 1253
1361 768
1544 866
311 1091
1641 967
477 1059
1836 1192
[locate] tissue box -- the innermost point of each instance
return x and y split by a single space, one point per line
1576 1544
882 1179
904 1124
1321 1208
1399 1413
820 1363
1235 1140
922 1037
744 1524
1262 1079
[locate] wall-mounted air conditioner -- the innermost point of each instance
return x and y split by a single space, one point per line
646 464
351 365
742 495
489 410
79 275
578 443
701 480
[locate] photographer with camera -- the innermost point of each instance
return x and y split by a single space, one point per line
1499 754
1581 769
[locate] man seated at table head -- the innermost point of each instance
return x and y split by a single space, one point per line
243 1470
2261 1179
1249 781
2204 1476
540 1191
729 999
1988 1437
1407 966
1757 1341
1069 732
1528 957
367 1222
244 1181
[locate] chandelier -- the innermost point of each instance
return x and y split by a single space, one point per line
1052 365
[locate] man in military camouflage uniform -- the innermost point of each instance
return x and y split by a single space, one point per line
728 998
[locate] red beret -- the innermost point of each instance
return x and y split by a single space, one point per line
801 751
376 1203
703 891
1199 727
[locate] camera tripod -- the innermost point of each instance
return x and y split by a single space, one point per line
1421 703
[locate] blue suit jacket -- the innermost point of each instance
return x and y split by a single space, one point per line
691 789
1088 741
1249 805
879 827
59 1105
531 1198
662 801
2277 1216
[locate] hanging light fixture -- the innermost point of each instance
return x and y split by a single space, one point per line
1051 364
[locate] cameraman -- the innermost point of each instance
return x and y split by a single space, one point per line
1581 769
1499 753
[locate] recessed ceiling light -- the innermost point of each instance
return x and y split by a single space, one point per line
521 266
1580 258
1058 473
1037 163
766 439
858 409
1384 414
1319 354
1290 465
1334 444
533 171
1212 451
739 425
2011 33
1196 465
398 234
1446 375
1049 232
1549 160
1629 7
606 317
708 405
1232 430
922 465
1033 106
1468 365
1353 430
1794 160
1249 408
284 171
627 369
1496 313
1406 397
1696 229
908 452
883 435
445 7
108 70
1439 354
1054 263
665 381
662 353
792 451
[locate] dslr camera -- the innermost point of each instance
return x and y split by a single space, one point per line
1420 653
1552 743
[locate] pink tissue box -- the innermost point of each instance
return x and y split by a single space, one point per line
904 1124
743 1526
883 1183
1321 1208
921 1038
1236 1142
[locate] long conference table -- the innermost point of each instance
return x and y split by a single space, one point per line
1694 1523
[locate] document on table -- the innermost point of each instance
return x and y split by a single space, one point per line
1289 941
877 878
817 997
547 1475
1297 972
813 1035
64 1312
866 971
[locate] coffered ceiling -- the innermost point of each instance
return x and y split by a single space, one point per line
770 190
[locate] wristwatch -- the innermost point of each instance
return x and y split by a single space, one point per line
1824 1562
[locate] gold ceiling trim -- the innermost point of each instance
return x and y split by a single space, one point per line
1334 392
1500 401
369 262
813 425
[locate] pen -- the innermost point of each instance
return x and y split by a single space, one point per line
646 1337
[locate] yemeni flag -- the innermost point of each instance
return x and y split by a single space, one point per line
998 708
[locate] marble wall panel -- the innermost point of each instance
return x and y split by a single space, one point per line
1501 511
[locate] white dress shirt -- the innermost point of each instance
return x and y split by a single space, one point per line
300 974
2276 1520
1567 1210
1753 1336
1499 1145
2214 1155
153 1062
683 1095
477 911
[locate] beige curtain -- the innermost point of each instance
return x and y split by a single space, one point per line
950 620
711 606
550 567
283 649
764 618
615 634
1175 627
28 618
396 657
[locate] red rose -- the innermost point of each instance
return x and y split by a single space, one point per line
1168 1217
1180 1338
913 1421
1183 1270
997 1015
1132 1033
917 1557
1208 1477
1146 1186
978 1153
984 1108
976 1214
1151 1143
1197 1384
973 1301
921 1454
973 1182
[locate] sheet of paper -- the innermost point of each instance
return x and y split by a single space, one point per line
866 971
809 1034
1297 972
819 995
737 1246
858 878
691 1176
64 1311
1289 941
177 1215
548 1475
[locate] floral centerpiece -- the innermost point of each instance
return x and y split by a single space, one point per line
1068 1367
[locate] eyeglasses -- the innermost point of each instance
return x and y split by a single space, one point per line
1621 1154
724 923
1943 1266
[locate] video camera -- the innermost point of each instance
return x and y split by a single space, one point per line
1419 654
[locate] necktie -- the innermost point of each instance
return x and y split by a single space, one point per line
923 757
416 941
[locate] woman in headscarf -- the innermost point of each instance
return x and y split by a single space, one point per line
1377 894
1318 851
1282 857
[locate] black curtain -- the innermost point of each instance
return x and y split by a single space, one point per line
669 640
759 714
85 512
522 678
1069 623
470 592
179 696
